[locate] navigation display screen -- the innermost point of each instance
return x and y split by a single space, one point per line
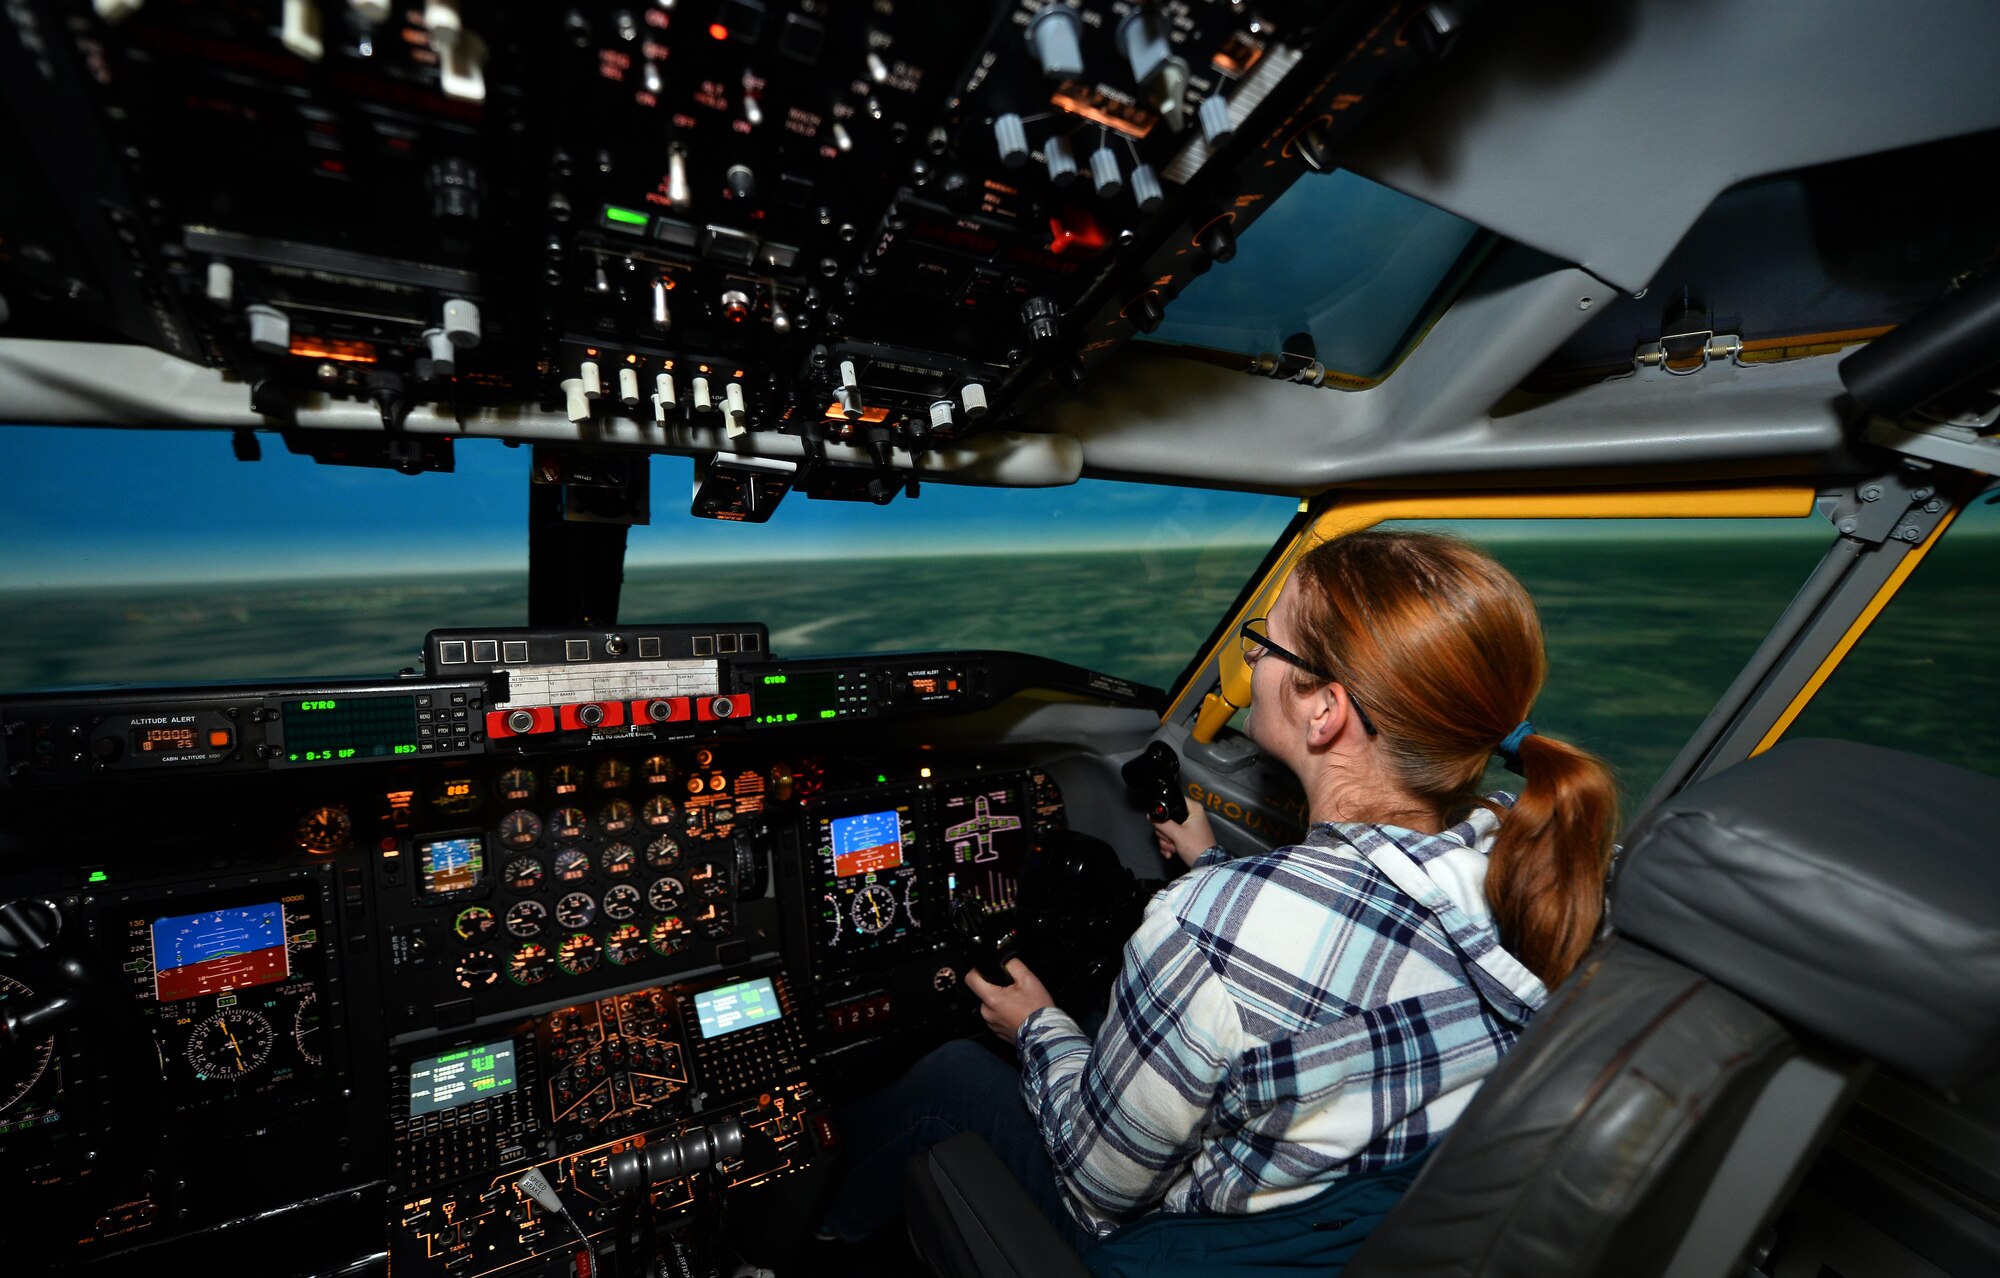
461 1077
735 1007
219 951
987 838
452 865
871 841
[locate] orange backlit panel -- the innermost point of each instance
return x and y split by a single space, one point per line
1101 108
347 349
833 413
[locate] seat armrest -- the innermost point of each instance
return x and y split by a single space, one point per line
969 1217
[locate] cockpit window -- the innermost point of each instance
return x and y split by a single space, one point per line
1647 621
1922 678
1338 269
156 557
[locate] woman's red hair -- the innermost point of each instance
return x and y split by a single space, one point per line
1443 647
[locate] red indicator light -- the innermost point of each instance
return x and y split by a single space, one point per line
717 31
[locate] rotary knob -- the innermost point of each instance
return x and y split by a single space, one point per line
1056 37
1010 139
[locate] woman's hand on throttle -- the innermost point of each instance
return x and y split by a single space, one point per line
1184 839
1004 1007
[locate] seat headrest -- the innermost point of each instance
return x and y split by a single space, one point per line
1850 890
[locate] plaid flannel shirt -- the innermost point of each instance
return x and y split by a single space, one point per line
1280 1021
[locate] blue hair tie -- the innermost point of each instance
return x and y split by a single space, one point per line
1510 747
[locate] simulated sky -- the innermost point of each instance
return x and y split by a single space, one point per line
98 506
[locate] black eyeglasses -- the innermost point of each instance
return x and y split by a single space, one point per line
1256 642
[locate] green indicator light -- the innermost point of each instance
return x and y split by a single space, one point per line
773 679
99 876
630 217
829 714
881 778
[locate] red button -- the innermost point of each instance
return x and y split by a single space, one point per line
219 738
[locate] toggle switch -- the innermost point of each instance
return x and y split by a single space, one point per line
461 322
1010 139
663 319
698 390
848 381
372 12
300 29
576 403
1061 160
735 412
444 356
1056 37
1104 172
679 193
221 283
593 381
663 386
270 330
628 387
1146 192
443 20
941 414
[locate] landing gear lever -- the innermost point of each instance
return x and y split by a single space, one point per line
988 942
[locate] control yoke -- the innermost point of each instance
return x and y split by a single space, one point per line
1154 779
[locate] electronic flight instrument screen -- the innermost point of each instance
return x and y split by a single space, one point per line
741 1006
460 1077
231 983
987 834
868 863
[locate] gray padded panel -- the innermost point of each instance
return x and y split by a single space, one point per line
1588 1150
1850 890
969 1217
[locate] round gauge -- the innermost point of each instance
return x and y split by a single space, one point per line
622 902
520 828
691 823
665 895
626 944
230 1044
696 785
808 778
704 757
710 879
527 918
664 853
455 795
576 910
616 817
524 874
473 922
781 780
568 824
669 935
659 811
325 828
516 785
618 860
910 902
714 920
305 1027
579 953
873 908
478 968
657 769
565 778
944 979
530 965
717 783
23 1068
572 865
613 774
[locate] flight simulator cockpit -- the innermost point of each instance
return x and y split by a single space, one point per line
496 829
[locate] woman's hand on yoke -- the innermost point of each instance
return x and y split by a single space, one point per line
1004 1007
1184 839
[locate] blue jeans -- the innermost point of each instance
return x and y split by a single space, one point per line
960 1087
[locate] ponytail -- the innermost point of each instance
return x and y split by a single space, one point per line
1444 647
1545 875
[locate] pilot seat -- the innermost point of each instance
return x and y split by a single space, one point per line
1778 931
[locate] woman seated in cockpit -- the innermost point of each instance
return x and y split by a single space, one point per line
1292 1031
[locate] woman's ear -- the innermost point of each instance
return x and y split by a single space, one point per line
1328 708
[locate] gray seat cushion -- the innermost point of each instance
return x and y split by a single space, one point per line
1850 890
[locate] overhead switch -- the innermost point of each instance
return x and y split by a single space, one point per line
972 397
221 283
1010 139
1056 37
576 404
1146 192
270 331
1061 160
628 387
1104 172
461 322
698 389
1216 127
592 378
735 412
444 356
300 29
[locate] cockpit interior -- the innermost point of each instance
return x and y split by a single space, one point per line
572 568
